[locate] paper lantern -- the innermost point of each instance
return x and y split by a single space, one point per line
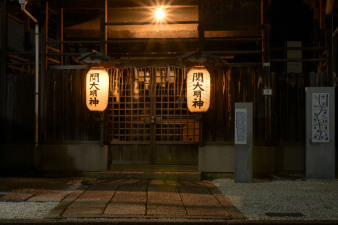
97 87
198 89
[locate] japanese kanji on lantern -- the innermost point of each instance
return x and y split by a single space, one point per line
198 89
97 87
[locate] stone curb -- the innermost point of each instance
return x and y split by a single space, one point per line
169 221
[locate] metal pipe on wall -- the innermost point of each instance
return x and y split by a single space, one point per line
23 4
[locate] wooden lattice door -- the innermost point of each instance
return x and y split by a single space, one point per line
148 119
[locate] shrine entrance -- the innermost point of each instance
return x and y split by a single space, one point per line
147 117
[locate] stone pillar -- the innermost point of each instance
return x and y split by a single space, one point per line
320 132
243 142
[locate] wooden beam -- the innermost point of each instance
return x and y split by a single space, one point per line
299 60
238 52
161 40
53 60
68 67
90 4
18 58
53 49
149 23
311 48
18 68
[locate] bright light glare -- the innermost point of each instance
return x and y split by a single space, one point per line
159 14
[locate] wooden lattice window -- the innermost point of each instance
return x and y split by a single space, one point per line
149 105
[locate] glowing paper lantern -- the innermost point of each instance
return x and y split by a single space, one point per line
97 87
198 89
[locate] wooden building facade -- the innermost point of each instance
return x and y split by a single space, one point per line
248 47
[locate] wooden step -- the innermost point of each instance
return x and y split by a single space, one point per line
152 172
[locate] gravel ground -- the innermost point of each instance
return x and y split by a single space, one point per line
25 210
315 199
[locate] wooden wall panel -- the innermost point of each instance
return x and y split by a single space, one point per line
229 86
231 14
246 85
289 108
67 116
17 122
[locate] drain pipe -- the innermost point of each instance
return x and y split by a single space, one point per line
23 4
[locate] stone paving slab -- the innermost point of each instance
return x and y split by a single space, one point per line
164 199
57 211
15 197
234 212
199 201
92 202
129 199
146 199
48 197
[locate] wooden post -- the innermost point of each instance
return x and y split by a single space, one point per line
46 36
321 12
267 85
101 128
329 49
27 39
152 91
262 28
3 66
103 26
201 130
266 69
201 40
43 70
103 49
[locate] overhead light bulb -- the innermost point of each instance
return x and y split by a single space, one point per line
159 13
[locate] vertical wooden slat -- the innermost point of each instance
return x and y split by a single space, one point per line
267 84
124 99
27 40
3 67
152 112
329 49
201 40
167 105
103 26
46 34
321 13
176 74
61 46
